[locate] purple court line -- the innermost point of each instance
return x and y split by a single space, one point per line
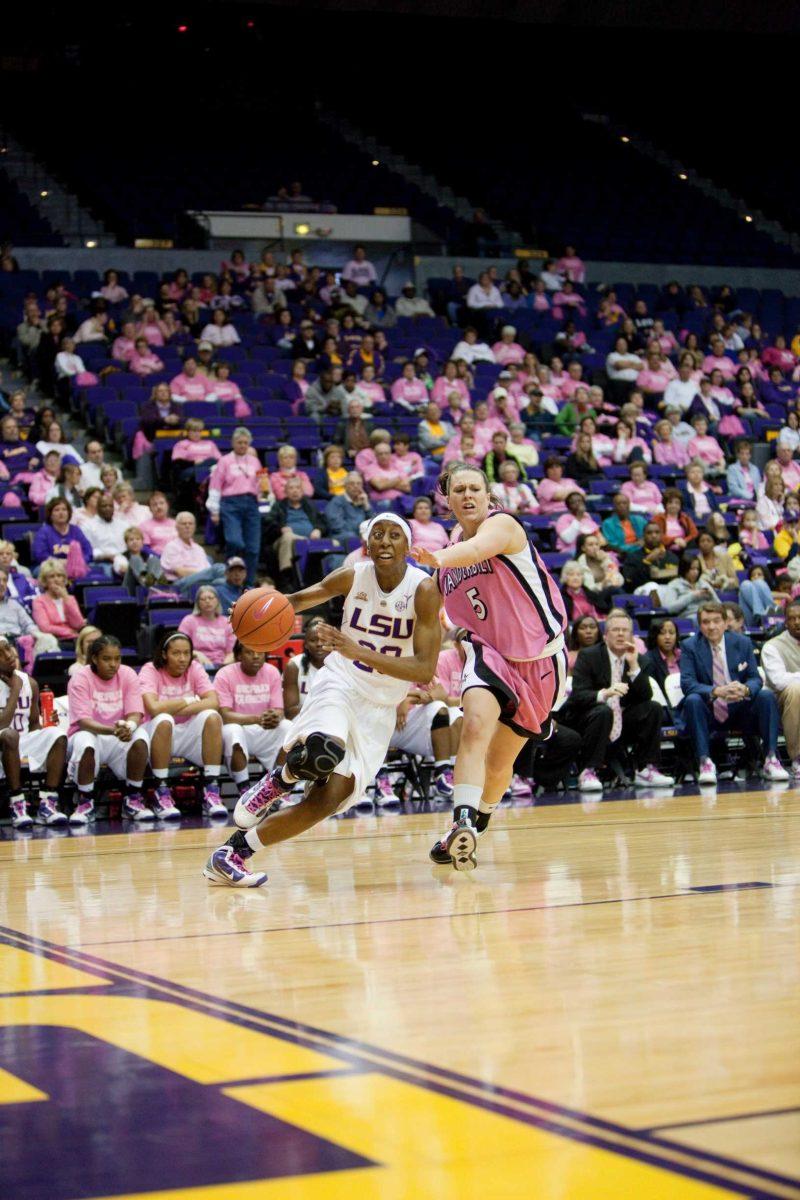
748 1116
301 1034
297 1077
479 912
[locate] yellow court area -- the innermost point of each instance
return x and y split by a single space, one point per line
609 1007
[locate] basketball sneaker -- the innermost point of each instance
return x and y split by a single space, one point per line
773 770
83 813
165 807
384 792
134 807
443 783
457 847
225 867
256 801
588 781
212 802
707 772
650 776
20 817
48 813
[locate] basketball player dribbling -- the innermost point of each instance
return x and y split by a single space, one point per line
494 584
389 640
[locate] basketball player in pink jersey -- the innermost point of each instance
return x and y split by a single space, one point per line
494 584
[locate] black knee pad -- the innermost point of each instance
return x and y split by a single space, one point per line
316 758
441 720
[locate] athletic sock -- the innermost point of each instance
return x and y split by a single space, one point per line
440 765
17 798
132 786
466 798
240 777
484 815
85 790
161 774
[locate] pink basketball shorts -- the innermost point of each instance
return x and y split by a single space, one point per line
527 692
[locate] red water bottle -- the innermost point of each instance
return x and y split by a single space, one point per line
46 703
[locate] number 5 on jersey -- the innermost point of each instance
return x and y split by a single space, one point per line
477 604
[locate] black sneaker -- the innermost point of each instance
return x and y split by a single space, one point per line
458 848
440 854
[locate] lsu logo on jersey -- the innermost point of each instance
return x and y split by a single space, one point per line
382 625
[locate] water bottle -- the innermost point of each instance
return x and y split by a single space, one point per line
46 704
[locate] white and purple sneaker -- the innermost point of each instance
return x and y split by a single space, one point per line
227 868
135 808
20 817
49 814
165 807
773 770
255 803
83 813
443 783
588 781
519 787
212 802
650 776
385 796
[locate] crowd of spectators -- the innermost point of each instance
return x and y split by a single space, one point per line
240 427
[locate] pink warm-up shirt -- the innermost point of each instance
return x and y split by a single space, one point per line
196 388
158 533
212 636
278 483
409 391
429 534
707 449
249 693
194 682
448 671
237 475
107 701
195 452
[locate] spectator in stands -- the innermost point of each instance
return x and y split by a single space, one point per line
433 433
360 270
385 481
68 484
585 631
484 294
306 347
429 534
125 503
350 298
56 438
514 496
756 596
622 368
287 469
211 633
408 392
184 563
18 408
717 359
600 567
716 565
581 463
88 635
684 595
325 397
655 377
700 496
379 313
677 527
344 513
553 490
19 458
45 480
668 451
184 720
498 455
330 481
28 335
770 505
611 705
190 384
778 355
194 448
159 527
790 469
106 532
507 349
780 661
16 622
294 518
46 351
366 457
58 537
723 692
653 564
628 447
743 477
470 350
90 469
234 492
354 431
54 610
220 331
144 361
578 601
68 366
574 522
643 493
407 461
623 530
234 583
447 383
366 355
681 392
137 563
93 329
749 536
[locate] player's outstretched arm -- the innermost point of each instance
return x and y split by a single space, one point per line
501 535
338 583
418 667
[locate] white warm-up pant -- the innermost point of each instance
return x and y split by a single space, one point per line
262 744
109 751
415 736
187 737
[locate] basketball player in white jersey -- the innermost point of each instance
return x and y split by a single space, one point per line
389 640
21 736
300 671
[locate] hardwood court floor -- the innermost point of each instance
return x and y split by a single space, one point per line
608 1007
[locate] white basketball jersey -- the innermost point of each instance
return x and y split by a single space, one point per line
383 621
22 714
305 677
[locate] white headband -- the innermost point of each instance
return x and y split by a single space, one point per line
395 519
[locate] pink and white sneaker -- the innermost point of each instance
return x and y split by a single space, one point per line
165 807
226 867
384 792
773 770
135 808
83 813
256 801
49 814
20 817
519 787
212 802
588 781
650 776
707 772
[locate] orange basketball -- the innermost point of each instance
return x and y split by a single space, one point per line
263 619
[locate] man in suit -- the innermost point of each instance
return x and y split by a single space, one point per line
722 690
611 704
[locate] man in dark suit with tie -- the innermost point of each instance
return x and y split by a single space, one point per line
722 690
611 702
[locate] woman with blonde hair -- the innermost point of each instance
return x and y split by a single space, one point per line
54 610
89 634
211 633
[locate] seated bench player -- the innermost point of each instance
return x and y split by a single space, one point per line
250 695
22 737
428 728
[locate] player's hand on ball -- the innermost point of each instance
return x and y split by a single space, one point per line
425 558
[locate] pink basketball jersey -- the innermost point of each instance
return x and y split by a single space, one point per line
510 602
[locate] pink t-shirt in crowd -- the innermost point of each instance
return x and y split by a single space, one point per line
212 636
195 452
448 671
508 352
194 682
278 483
157 533
707 449
410 392
726 365
670 454
644 497
196 388
443 387
429 534
569 529
544 493
249 693
107 701
179 554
